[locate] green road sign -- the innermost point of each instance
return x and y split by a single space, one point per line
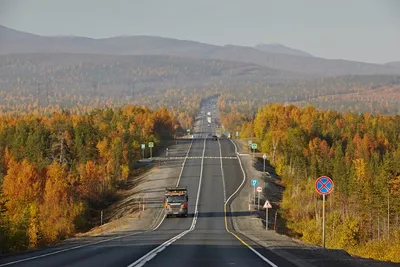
254 146
151 144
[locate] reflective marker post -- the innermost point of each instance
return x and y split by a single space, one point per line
143 148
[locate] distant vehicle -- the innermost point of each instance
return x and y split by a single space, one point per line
215 137
209 119
176 201
209 113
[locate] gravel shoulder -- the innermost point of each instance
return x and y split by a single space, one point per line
141 204
253 226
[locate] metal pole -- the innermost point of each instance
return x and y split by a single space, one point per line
151 152
142 153
265 180
266 219
254 199
323 221
276 214
101 218
264 165
258 205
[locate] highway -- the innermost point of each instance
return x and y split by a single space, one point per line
212 173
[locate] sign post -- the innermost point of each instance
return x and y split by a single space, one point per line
264 158
237 134
249 142
254 147
143 148
324 186
259 190
151 145
254 183
266 206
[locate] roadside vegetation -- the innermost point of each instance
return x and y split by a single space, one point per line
360 152
58 171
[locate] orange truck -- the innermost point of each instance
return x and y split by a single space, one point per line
176 201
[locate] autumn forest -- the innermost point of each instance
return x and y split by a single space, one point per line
57 170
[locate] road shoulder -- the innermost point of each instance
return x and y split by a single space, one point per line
297 252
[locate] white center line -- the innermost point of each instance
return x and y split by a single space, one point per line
150 255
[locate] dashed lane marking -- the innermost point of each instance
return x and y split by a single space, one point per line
199 157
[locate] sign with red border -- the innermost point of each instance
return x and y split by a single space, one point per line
324 185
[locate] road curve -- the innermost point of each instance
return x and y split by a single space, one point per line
212 174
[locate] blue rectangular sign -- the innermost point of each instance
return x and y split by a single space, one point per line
254 182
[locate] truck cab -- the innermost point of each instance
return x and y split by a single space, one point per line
176 201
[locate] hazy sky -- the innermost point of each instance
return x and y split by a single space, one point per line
363 30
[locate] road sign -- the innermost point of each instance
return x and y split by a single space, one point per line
249 142
267 205
264 156
143 146
254 182
254 146
237 134
151 144
324 185
259 189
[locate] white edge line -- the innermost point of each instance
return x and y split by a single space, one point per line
68 249
151 254
179 179
102 241
234 193
183 164
244 174
222 171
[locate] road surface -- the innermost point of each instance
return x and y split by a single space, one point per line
212 173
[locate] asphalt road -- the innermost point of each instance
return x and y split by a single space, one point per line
212 175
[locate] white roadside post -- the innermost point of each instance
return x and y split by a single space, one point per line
143 148
266 206
259 190
324 186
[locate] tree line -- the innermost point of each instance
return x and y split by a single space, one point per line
56 170
360 152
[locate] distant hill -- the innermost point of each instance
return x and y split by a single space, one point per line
115 72
281 49
395 64
16 42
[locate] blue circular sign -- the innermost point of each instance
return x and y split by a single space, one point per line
324 185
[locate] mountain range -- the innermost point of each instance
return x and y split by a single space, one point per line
274 56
